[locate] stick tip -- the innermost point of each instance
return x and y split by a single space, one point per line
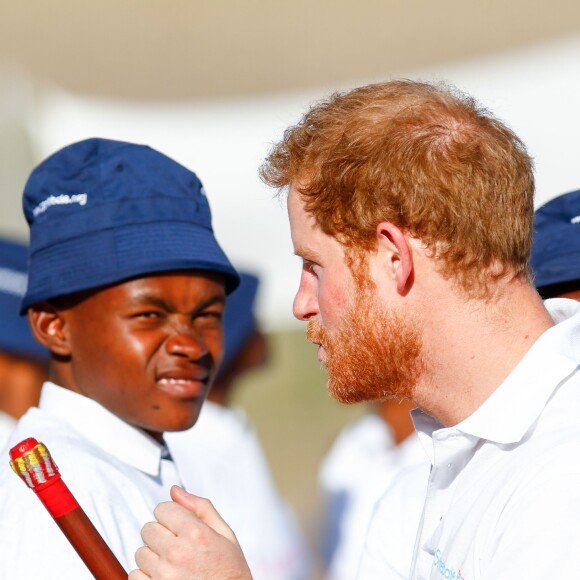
23 447
31 461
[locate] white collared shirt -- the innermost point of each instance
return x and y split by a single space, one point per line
7 424
503 494
114 471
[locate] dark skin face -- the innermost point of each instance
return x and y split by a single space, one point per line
146 349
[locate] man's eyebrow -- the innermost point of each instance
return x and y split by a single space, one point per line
150 299
306 253
153 300
217 299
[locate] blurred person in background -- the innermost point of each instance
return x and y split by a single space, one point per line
23 361
364 459
556 250
221 457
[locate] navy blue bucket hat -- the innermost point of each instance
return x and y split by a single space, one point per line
15 336
103 211
556 248
239 319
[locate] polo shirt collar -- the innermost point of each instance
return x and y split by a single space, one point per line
516 404
103 428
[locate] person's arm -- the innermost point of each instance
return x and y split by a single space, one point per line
189 540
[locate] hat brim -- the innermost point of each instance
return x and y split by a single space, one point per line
121 253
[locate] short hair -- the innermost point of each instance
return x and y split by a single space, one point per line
424 157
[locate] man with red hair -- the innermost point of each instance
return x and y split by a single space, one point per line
411 208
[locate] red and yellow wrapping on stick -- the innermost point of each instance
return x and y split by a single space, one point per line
32 462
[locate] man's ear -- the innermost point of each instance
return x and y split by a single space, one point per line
399 256
48 327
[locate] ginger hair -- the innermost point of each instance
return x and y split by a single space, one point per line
424 157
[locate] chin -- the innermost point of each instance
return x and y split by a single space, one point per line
179 423
183 424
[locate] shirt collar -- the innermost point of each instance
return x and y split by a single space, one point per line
513 407
103 428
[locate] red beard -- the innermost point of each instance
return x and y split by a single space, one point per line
373 355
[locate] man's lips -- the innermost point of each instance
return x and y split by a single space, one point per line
183 384
320 353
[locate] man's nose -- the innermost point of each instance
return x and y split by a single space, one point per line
184 340
306 301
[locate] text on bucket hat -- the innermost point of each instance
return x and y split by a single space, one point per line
103 211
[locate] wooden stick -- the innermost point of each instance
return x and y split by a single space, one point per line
32 462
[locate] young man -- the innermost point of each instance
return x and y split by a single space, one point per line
411 208
126 288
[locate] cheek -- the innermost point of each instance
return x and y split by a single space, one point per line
121 353
215 345
333 299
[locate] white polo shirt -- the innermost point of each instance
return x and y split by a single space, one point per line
115 472
503 496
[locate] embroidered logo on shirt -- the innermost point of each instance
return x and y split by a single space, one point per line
62 199
447 572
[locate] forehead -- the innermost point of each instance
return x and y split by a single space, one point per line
302 223
187 287
308 239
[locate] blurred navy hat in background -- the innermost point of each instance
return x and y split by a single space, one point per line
239 319
556 248
103 211
15 336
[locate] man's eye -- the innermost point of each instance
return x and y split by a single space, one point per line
309 266
217 314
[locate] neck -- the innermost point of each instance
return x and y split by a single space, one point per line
484 341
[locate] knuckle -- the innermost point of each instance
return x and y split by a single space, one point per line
205 504
140 554
146 530
192 531
175 554
160 509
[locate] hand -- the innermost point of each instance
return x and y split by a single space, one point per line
189 541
